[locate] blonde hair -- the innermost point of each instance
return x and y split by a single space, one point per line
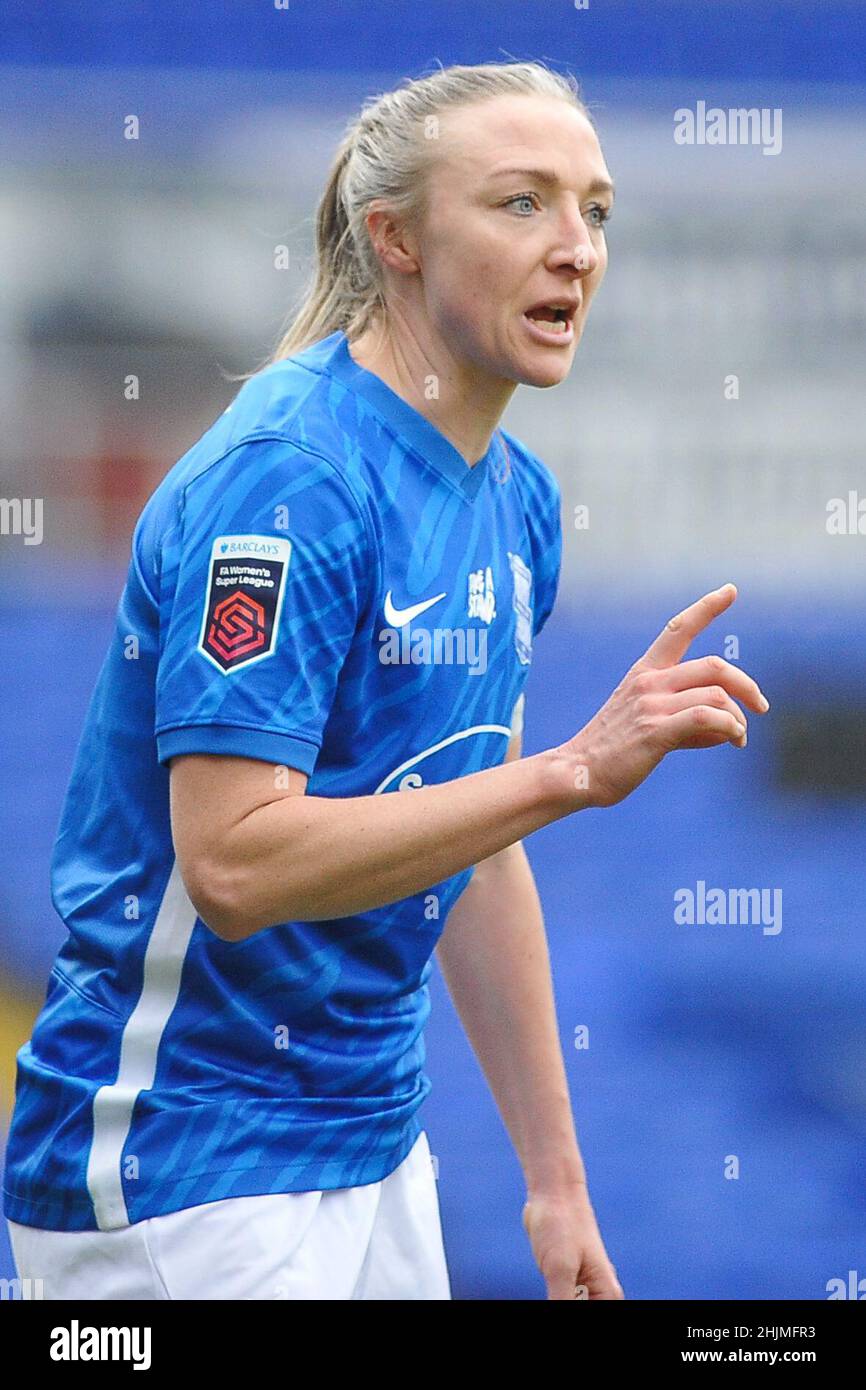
384 156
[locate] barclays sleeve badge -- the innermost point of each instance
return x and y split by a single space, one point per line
244 596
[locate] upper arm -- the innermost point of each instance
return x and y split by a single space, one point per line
209 796
257 618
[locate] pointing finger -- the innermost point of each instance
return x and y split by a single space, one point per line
673 641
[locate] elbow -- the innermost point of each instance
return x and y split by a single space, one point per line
218 897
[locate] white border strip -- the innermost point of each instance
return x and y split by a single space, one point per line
113 1104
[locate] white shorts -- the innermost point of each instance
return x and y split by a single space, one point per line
379 1241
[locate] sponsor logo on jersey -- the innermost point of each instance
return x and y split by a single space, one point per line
481 602
245 586
441 761
398 617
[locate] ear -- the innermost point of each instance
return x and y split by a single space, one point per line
393 242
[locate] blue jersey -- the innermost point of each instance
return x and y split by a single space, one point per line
322 582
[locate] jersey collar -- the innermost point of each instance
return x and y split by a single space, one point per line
413 428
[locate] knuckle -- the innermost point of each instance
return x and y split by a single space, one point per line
642 683
717 663
717 695
701 716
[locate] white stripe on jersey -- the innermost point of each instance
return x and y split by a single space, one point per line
113 1104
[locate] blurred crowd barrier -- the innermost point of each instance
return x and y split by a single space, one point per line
712 416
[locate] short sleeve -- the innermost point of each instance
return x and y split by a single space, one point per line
263 582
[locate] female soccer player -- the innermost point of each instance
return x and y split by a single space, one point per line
291 789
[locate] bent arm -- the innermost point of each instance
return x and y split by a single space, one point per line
255 851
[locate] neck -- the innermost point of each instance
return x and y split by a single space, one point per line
463 405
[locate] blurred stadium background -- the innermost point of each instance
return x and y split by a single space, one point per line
156 256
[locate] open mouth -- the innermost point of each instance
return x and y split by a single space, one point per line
552 320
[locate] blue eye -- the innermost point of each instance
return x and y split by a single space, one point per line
520 198
603 214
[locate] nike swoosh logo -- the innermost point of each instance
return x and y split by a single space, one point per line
398 617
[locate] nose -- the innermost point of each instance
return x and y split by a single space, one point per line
576 249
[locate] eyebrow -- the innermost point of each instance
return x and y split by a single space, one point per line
547 176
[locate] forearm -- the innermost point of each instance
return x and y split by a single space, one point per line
493 954
309 857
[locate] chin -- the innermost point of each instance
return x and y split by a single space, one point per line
547 374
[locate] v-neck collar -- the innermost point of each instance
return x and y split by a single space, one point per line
413 428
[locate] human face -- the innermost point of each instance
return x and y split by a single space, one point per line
514 219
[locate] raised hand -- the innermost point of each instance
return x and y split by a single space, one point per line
663 703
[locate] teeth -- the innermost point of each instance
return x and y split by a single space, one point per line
550 326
